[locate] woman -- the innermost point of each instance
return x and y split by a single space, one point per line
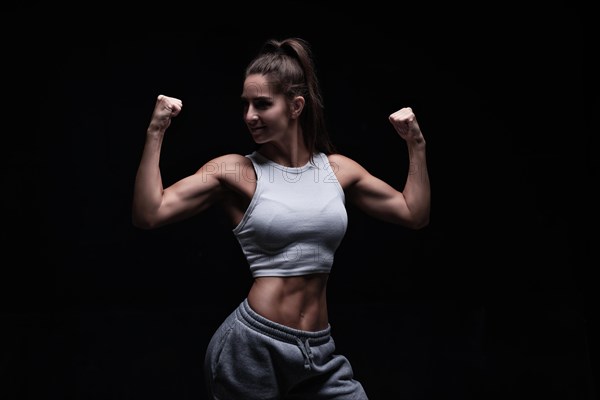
286 202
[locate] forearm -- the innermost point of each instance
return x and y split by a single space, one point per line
148 188
417 190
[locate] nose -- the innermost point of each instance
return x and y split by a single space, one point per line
251 116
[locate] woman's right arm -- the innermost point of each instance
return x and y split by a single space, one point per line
153 205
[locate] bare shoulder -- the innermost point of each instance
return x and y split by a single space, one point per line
347 170
234 171
225 164
341 160
230 159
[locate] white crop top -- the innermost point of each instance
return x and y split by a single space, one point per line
296 219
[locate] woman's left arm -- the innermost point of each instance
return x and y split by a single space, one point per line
409 207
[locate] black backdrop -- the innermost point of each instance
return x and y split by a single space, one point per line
494 300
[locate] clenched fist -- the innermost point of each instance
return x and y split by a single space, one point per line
405 123
164 109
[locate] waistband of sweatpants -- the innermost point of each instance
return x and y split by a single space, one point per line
279 331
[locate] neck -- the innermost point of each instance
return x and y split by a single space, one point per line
291 153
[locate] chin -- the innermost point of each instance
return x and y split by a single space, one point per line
258 139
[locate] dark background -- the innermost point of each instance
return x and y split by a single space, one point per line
493 300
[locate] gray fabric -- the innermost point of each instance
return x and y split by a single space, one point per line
250 357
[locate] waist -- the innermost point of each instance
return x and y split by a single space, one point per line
298 302
251 318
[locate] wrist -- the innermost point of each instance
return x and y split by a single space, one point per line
155 130
416 143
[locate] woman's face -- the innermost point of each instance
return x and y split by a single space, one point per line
266 113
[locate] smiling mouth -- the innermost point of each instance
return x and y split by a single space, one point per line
256 128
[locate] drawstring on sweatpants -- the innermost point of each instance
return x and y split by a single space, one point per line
306 352
302 339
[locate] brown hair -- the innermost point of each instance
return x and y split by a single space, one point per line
290 67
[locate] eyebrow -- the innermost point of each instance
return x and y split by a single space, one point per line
256 98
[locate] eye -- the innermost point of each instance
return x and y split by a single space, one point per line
262 104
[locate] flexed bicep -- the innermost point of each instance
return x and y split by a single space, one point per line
189 196
379 199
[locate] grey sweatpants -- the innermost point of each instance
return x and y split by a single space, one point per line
250 357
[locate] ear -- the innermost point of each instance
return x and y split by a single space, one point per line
297 106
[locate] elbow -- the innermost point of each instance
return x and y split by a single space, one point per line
142 222
415 223
419 223
420 218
